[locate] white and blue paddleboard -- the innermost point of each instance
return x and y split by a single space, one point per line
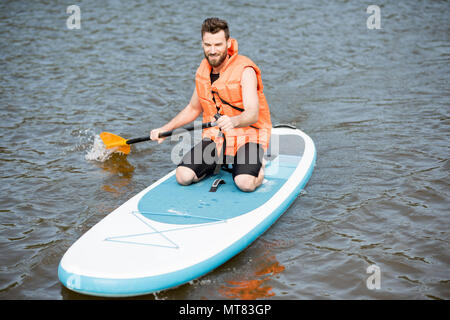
170 234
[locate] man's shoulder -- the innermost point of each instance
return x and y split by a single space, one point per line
244 60
246 65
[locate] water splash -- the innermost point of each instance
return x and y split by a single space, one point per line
98 151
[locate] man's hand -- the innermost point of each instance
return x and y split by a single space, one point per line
226 123
154 135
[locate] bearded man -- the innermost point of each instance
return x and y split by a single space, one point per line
228 91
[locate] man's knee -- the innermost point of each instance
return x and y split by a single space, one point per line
185 176
245 182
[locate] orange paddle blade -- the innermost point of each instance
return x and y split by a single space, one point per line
115 142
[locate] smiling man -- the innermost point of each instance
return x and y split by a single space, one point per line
228 87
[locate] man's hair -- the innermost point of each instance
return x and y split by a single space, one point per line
214 25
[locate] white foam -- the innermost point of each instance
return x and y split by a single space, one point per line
98 151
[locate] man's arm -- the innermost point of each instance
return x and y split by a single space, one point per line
188 114
249 116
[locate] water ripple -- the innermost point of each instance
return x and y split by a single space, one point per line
374 101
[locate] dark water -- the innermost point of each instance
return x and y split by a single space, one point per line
375 102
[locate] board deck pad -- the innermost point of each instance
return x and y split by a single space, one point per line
173 203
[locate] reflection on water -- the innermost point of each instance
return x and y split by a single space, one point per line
121 170
257 285
118 164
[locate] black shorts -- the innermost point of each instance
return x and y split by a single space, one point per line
202 159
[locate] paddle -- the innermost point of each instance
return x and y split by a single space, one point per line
123 145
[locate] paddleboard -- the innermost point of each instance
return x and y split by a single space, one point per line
168 234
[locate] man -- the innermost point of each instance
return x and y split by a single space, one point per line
228 87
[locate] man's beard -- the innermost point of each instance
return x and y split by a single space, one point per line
217 62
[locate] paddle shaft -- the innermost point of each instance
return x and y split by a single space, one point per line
171 132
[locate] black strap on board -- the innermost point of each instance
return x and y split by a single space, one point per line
216 184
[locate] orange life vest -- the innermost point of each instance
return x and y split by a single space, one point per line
225 97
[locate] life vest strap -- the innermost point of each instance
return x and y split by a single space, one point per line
229 104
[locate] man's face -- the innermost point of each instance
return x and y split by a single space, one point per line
215 47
